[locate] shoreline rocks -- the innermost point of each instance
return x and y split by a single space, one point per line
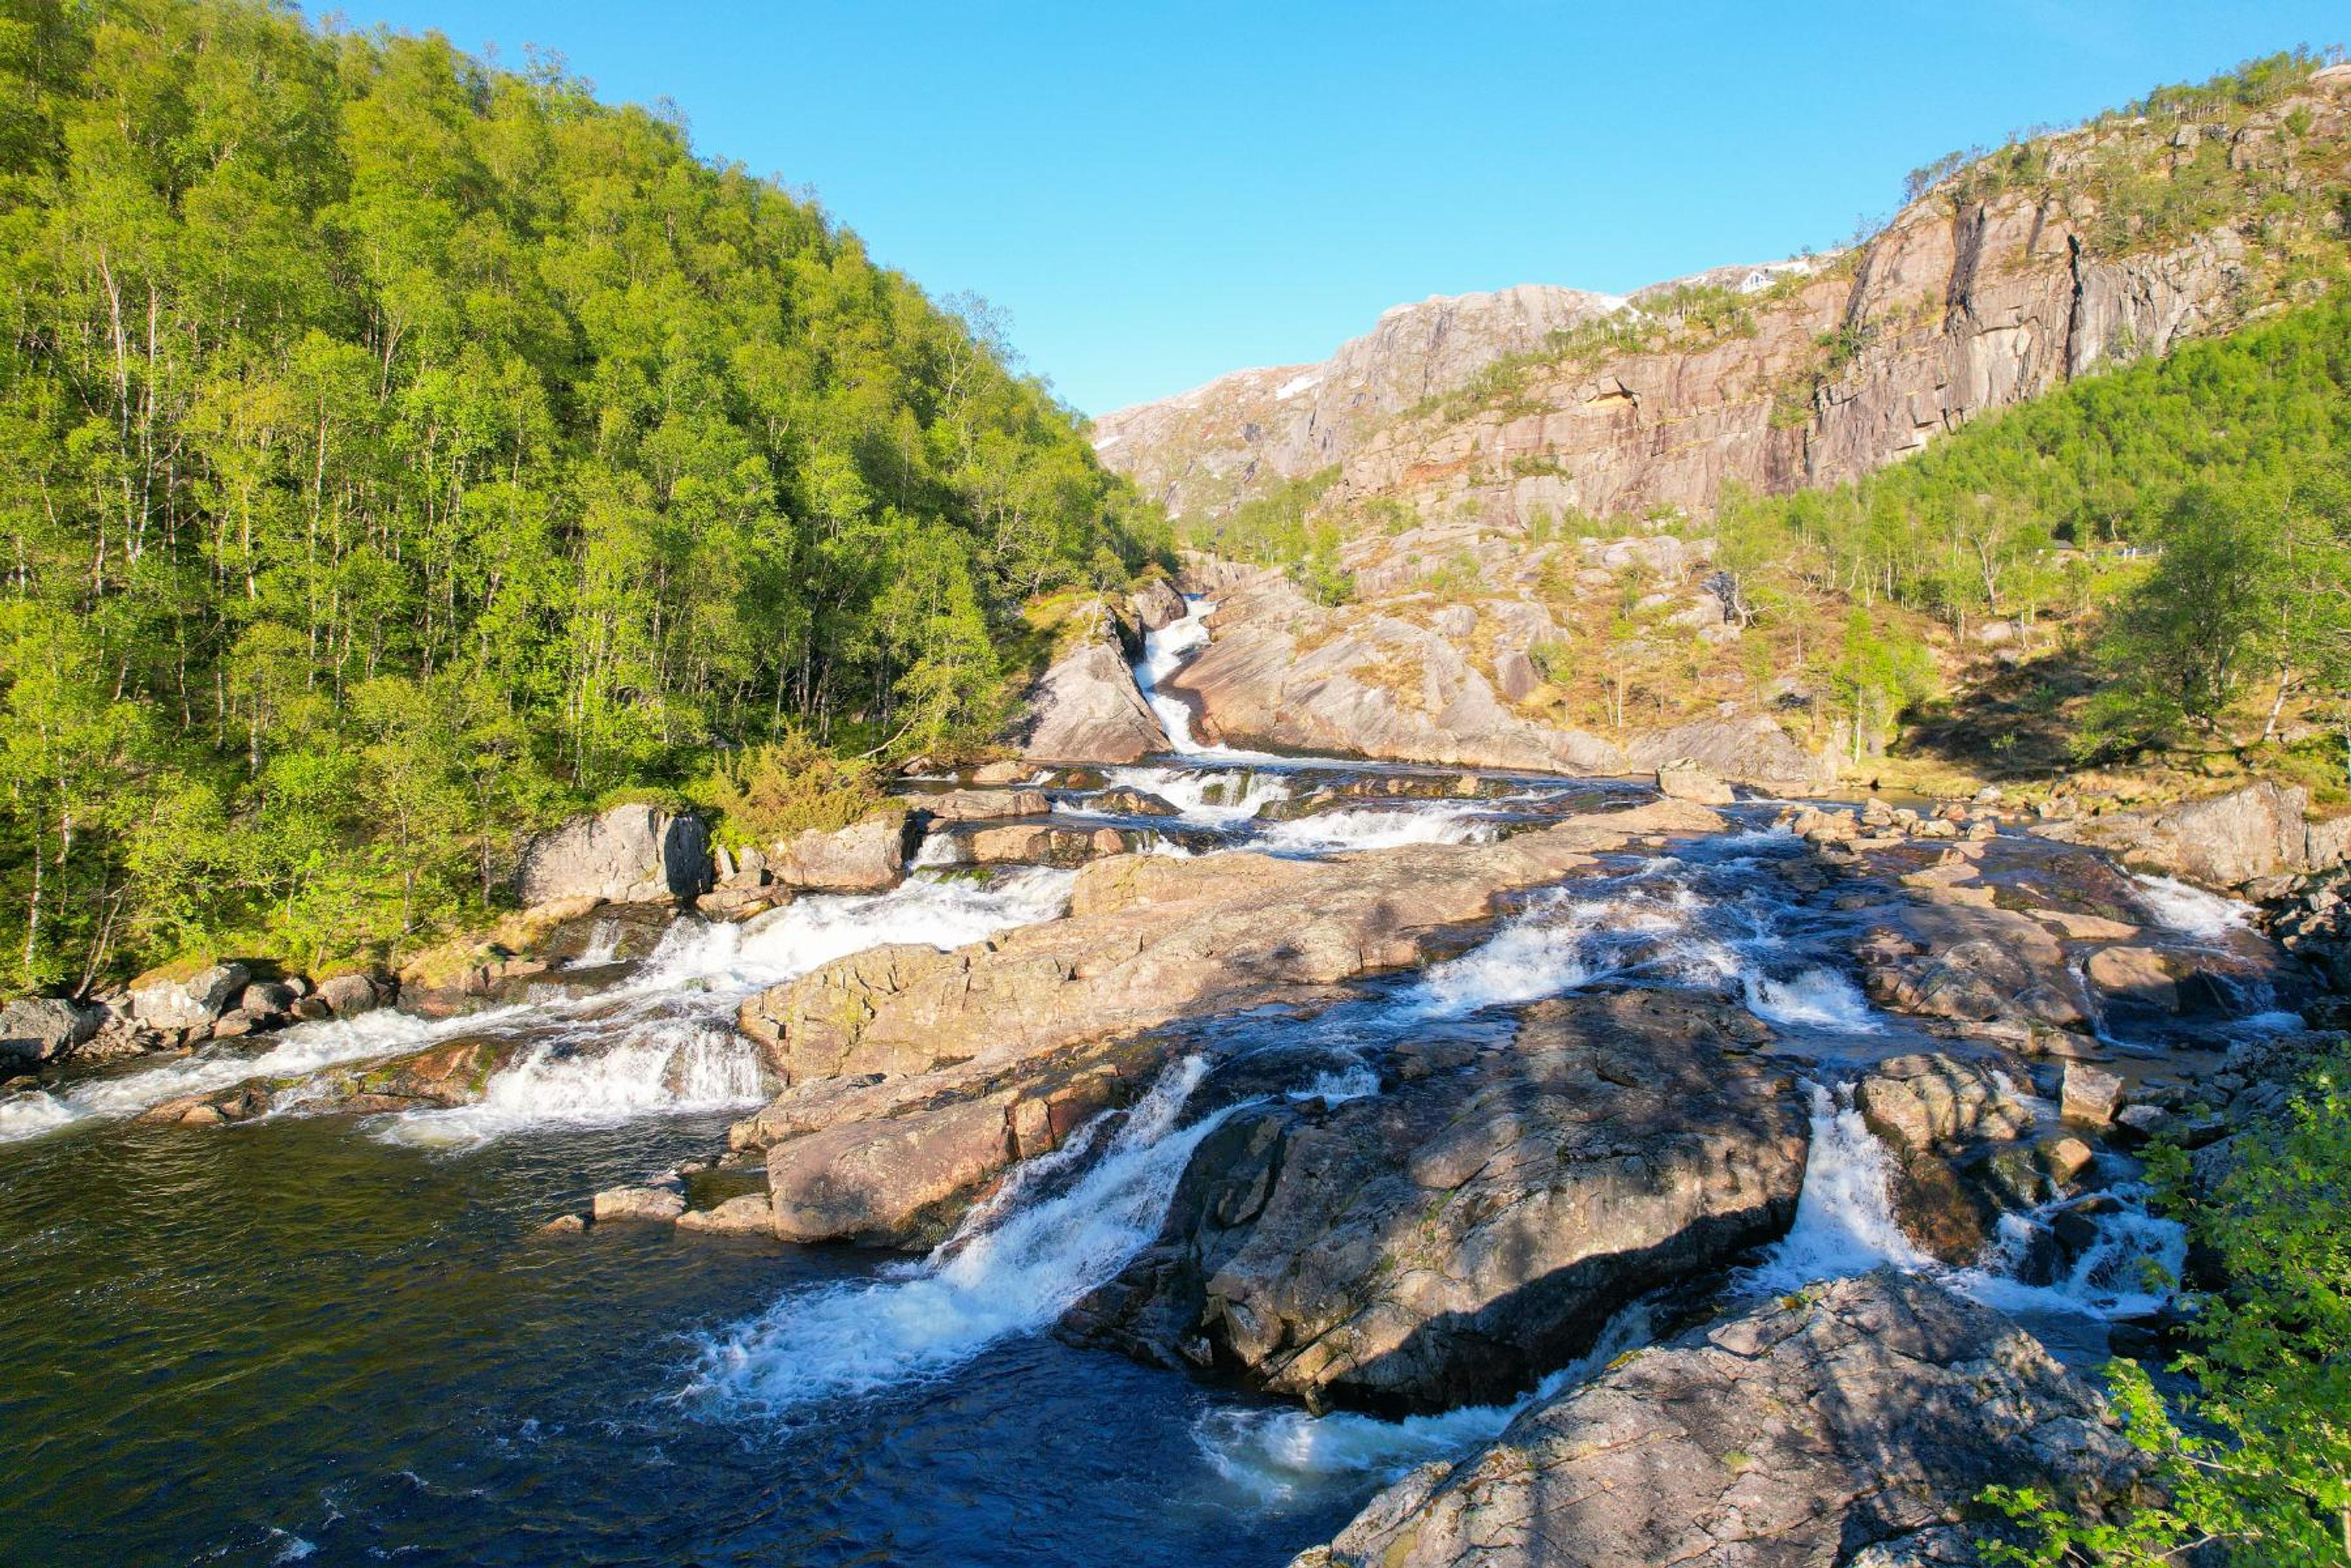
630 854
1852 1422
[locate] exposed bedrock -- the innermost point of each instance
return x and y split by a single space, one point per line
1086 707
1448 1241
1286 673
1852 1424
889 1054
1149 940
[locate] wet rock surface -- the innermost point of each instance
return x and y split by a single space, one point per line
1855 1422
1446 1240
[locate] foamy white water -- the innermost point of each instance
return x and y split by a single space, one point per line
664 1043
1214 798
651 1044
297 1052
1846 1225
1811 998
668 1068
1011 1269
1845 1214
1278 1454
2191 910
1380 829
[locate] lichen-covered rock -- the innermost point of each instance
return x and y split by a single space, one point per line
1683 780
867 856
1853 1422
659 1204
1447 1241
43 1029
1086 706
2222 842
171 999
633 854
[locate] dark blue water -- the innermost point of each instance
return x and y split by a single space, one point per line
291 1341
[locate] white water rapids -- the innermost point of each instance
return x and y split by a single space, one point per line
661 1041
1012 1267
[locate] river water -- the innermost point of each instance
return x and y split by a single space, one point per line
343 1340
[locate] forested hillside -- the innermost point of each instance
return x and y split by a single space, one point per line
395 450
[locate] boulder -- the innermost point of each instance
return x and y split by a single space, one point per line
349 995
1515 675
1156 605
2224 840
747 1214
655 1204
1683 780
1852 1423
1972 963
2090 1095
1932 1101
1086 706
43 1029
2135 975
868 856
1042 845
1450 1240
878 1182
174 998
630 854
988 774
267 1000
1127 801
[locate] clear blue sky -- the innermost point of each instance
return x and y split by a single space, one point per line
1159 193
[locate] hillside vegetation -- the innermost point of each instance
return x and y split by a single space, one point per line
394 451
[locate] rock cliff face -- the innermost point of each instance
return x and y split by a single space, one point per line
1218 444
1963 303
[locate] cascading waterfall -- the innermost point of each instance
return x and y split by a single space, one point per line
1012 1268
2192 911
299 1052
1217 798
1163 652
1846 1225
1671 920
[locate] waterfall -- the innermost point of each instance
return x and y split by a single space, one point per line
1376 828
1012 1268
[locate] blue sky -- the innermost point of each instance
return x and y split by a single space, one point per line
1159 193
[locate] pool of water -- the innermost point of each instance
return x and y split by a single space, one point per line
296 1342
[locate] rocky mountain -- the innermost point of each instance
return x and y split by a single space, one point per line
1512 563
2059 256
1201 453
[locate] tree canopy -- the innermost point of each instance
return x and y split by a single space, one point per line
394 449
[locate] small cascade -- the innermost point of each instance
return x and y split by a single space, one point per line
1845 1214
1846 1225
2192 911
1214 797
1369 829
1012 1268
1164 651
1673 921
1279 1455
657 1042
299 1052
673 1066
603 944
